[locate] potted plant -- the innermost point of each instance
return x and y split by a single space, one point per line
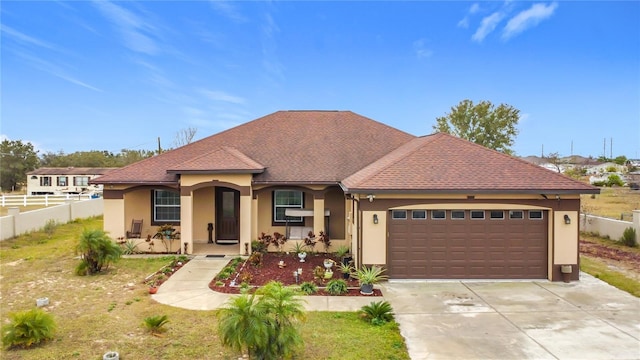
328 263
299 250
341 252
367 276
328 274
346 270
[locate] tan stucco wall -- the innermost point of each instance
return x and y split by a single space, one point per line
565 249
245 222
374 238
238 179
203 213
113 219
138 206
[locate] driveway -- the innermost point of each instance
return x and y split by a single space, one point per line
516 320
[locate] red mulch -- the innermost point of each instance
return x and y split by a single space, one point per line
269 271
626 257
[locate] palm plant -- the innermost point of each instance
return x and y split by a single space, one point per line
265 326
378 312
337 287
28 328
97 251
155 324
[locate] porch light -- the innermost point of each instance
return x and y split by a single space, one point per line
371 197
375 218
567 219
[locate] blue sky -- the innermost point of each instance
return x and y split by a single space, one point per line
82 75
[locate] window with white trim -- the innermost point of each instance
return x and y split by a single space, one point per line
287 199
418 214
62 181
535 214
438 214
166 206
399 214
457 214
496 214
81 181
45 181
516 214
477 214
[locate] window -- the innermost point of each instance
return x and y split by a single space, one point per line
399 214
419 214
535 214
166 206
516 214
62 181
81 181
438 214
477 214
285 199
496 214
457 214
45 181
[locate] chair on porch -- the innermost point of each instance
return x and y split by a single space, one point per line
136 229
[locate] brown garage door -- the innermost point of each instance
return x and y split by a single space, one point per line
467 244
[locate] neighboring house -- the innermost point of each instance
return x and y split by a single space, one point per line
67 180
431 207
605 168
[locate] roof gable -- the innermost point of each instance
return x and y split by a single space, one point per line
444 163
223 159
293 147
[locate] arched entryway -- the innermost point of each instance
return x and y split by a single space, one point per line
227 215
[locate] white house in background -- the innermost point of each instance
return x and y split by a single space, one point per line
605 168
61 181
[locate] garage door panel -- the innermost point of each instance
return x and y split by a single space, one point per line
473 249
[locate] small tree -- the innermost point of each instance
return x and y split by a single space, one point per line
97 250
614 180
482 123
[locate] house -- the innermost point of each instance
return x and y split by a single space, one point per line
64 180
430 207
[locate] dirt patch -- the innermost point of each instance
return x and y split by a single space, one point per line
619 259
270 269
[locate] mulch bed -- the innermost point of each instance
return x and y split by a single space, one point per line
269 270
628 258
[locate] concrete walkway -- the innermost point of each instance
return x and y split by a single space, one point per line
471 319
189 289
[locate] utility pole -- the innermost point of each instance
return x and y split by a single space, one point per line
542 154
611 148
604 148
159 147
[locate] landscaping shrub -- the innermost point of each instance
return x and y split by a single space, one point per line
614 180
155 324
337 287
308 288
28 328
377 312
97 251
266 325
50 227
629 237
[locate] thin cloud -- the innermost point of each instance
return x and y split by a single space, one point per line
54 70
222 96
25 39
464 23
487 25
135 31
270 61
228 10
527 19
421 50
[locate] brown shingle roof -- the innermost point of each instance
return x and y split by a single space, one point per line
444 163
293 146
71 171
223 159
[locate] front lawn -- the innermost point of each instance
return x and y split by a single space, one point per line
101 313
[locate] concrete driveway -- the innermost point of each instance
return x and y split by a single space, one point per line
516 320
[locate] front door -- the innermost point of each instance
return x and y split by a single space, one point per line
227 214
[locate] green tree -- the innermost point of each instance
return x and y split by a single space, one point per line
97 251
16 160
266 325
482 123
94 158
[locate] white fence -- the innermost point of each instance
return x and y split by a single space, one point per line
609 227
17 223
46 200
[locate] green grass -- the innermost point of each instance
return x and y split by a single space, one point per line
601 271
106 312
611 202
